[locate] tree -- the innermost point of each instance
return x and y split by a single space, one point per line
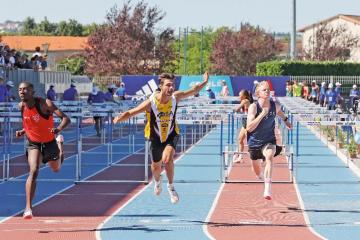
197 47
236 53
74 64
90 29
330 43
45 28
61 29
71 28
127 44
29 26
74 28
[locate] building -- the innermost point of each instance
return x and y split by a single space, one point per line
349 22
10 26
56 47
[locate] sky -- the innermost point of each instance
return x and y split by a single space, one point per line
272 15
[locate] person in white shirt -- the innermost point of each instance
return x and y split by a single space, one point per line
225 89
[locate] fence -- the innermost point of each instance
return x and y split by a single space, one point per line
346 81
104 81
42 80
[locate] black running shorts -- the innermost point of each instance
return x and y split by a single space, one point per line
50 150
257 153
157 147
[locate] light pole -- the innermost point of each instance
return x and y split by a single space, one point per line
293 32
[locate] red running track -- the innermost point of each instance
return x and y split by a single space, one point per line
242 213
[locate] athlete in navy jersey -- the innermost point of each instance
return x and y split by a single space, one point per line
261 134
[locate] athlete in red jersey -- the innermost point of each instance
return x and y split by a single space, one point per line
38 125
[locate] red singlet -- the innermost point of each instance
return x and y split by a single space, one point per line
37 125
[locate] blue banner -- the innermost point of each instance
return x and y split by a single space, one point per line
134 84
278 84
142 83
214 83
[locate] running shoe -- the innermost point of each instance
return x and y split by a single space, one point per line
174 197
157 187
238 158
267 189
28 214
261 176
235 157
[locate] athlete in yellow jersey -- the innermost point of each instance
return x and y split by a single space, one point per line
161 128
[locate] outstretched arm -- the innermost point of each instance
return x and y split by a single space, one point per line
132 112
192 91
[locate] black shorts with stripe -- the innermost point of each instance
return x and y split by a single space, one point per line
156 148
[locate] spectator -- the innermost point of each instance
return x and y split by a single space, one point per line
2 58
37 52
210 93
71 93
354 96
109 96
121 91
331 97
305 91
11 57
314 94
25 63
296 89
3 91
97 96
322 94
339 98
224 90
9 86
34 63
43 63
289 90
51 94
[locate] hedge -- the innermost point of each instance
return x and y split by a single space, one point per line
307 68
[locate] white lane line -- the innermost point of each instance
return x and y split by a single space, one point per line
100 226
70 186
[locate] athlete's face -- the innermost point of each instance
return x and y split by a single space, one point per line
25 92
264 91
168 87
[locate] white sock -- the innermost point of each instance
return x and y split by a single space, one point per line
267 190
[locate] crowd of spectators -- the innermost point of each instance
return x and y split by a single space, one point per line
326 95
11 58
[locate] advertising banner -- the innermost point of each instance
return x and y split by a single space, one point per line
145 84
214 83
277 84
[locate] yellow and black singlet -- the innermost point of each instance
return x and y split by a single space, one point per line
161 120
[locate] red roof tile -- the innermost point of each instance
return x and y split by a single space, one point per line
56 43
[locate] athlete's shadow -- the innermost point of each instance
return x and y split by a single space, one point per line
294 209
125 228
